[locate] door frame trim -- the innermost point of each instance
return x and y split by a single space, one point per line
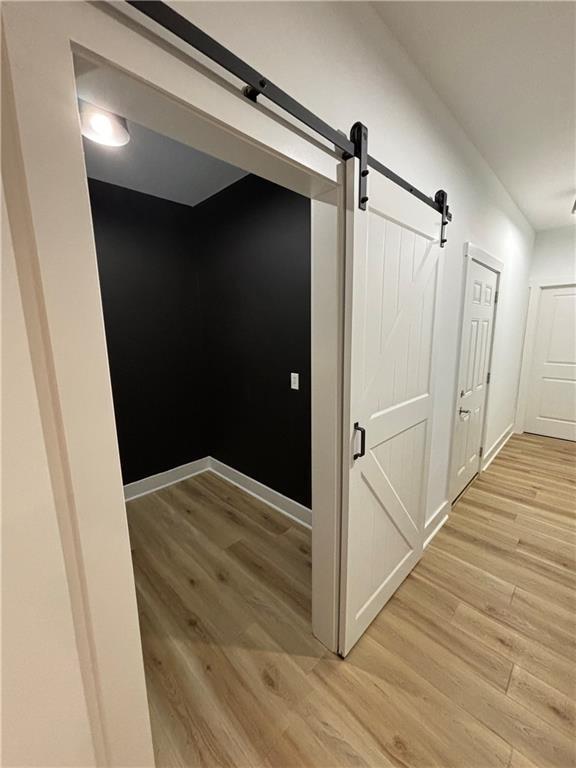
58 282
535 288
472 253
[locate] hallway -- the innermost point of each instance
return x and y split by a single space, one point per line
471 663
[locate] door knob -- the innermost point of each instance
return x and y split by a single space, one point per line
462 410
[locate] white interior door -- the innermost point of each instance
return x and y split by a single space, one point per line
477 330
392 286
551 403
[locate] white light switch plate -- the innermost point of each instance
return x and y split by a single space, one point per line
295 381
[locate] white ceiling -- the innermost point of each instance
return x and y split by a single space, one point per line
159 166
507 72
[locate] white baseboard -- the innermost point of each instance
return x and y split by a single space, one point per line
289 507
162 479
436 522
496 447
292 509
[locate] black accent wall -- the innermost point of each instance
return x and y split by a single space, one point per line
151 296
256 243
207 312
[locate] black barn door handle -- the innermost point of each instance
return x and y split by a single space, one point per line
362 431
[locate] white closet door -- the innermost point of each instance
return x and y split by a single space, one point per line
477 329
551 405
392 286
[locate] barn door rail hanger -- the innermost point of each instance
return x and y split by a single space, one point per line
257 85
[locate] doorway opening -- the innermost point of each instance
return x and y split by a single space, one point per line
205 274
205 282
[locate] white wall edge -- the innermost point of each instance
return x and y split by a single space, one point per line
292 509
497 446
295 511
436 522
162 479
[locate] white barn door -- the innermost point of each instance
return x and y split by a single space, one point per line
392 287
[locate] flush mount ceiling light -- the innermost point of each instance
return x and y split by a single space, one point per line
102 126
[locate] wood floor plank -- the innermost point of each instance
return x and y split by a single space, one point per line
508 553
544 475
392 720
167 751
557 501
292 591
544 700
470 665
531 655
418 589
536 534
192 595
534 625
482 529
554 553
519 761
563 619
325 732
252 594
466 581
299 537
544 528
549 621
517 725
251 686
201 513
484 507
532 576
206 734
252 509
464 741
484 661
510 499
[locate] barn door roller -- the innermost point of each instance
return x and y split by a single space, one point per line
359 137
255 85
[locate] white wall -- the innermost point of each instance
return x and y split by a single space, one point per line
340 60
554 255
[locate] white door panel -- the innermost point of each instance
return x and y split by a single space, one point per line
551 408
477 332
392 290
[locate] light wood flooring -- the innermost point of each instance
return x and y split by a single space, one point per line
471 664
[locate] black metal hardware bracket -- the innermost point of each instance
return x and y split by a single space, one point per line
442 199
359 137
252 93
362 451
256 84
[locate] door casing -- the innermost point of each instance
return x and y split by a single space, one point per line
49 215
